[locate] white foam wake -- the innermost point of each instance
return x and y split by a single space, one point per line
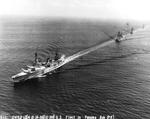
86 51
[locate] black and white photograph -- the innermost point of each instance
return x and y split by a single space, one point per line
74 59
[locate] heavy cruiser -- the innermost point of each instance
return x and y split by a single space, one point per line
39 70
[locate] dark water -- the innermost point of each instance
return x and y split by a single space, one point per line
114 79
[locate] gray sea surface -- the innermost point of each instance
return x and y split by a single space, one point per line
113 80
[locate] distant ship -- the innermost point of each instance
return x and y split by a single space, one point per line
119 37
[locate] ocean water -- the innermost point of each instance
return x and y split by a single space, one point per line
112 80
